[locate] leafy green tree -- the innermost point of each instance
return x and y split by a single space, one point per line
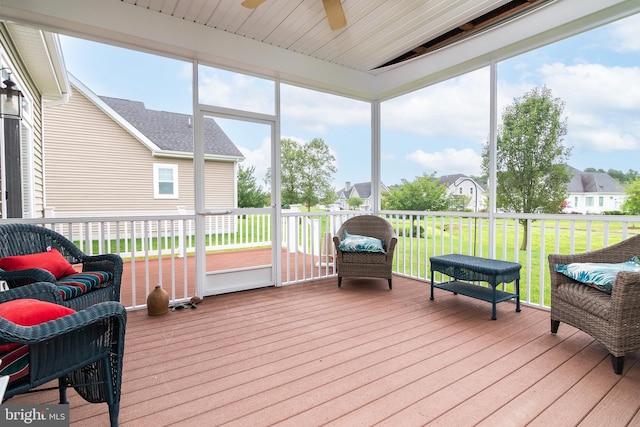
307 172
459 202
531 160
250 195
424 193
329 195
618 175
354 202
632 204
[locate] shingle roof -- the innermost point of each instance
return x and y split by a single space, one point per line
450 180
362 189
593 182
172 131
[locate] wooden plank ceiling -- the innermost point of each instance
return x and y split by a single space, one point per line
378 32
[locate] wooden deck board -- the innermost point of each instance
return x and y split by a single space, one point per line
314 354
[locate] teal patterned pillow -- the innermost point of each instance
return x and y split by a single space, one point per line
357 243
597 275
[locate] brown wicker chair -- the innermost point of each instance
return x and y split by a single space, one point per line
366 264
612 319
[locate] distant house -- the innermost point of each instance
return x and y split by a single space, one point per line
111 155
362 190
593 193
463 186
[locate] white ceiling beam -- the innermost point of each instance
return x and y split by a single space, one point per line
134 27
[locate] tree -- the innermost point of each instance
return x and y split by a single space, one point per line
618 175
250 195
307 172
632 204
354 202
424 193
531 160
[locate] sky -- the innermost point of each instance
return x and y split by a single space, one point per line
438 130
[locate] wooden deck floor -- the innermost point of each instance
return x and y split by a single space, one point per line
313 354
144 275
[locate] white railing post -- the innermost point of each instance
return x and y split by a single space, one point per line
182 247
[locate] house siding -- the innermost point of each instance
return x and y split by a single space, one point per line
93 165
37 162
31 131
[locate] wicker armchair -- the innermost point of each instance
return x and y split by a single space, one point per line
612 319
25 239
366 264
83 350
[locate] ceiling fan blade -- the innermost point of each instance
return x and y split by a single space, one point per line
252 4
335 14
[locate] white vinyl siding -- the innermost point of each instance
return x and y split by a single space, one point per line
94 166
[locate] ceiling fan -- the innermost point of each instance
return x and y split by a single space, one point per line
333 9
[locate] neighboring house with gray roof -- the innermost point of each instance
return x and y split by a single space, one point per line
460 185
362 190
114 156
593 193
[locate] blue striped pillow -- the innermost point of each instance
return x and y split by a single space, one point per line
357 243
598 275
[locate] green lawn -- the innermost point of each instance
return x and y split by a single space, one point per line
441 236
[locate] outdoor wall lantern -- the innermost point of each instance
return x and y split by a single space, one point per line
10 98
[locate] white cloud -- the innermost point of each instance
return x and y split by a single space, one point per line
455 108
448 161
601 104
594 87
317 111
623 35
606 139
237 91
260 158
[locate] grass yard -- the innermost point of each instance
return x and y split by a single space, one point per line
450 235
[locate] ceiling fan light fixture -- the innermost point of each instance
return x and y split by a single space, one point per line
252 4
335 14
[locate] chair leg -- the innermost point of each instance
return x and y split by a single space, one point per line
554 326
339 281
618 364
389 284
62 390
112 397
114 410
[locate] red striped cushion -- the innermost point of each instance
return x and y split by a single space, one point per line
79 284
25 312
15 363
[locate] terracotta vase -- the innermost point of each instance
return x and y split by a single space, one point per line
158 302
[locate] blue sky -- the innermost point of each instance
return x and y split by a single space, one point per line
440 129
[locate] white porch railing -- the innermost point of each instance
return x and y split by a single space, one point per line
160 248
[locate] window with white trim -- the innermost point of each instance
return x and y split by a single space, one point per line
165 181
